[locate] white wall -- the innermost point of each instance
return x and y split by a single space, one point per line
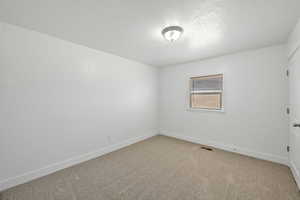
59 100
294 40
255 98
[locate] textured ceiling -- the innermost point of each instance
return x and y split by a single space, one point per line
131 28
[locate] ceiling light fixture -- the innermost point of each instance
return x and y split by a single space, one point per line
172 33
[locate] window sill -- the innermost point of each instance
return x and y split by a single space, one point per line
205 110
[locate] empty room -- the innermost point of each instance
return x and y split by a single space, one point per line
149 100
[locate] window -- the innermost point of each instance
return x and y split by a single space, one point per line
206 92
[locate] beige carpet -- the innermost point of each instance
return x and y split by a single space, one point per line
163 168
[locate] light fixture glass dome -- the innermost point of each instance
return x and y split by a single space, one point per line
172 33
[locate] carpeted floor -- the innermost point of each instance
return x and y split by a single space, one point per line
163 168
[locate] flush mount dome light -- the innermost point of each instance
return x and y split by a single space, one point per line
172 33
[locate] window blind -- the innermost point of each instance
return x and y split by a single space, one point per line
204 83
206 92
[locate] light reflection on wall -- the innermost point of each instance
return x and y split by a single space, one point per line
205 30
207 26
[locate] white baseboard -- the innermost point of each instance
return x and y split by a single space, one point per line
296 173
23 178
231 148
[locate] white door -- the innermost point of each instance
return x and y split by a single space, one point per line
294 95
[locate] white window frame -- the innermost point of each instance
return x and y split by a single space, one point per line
207 91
